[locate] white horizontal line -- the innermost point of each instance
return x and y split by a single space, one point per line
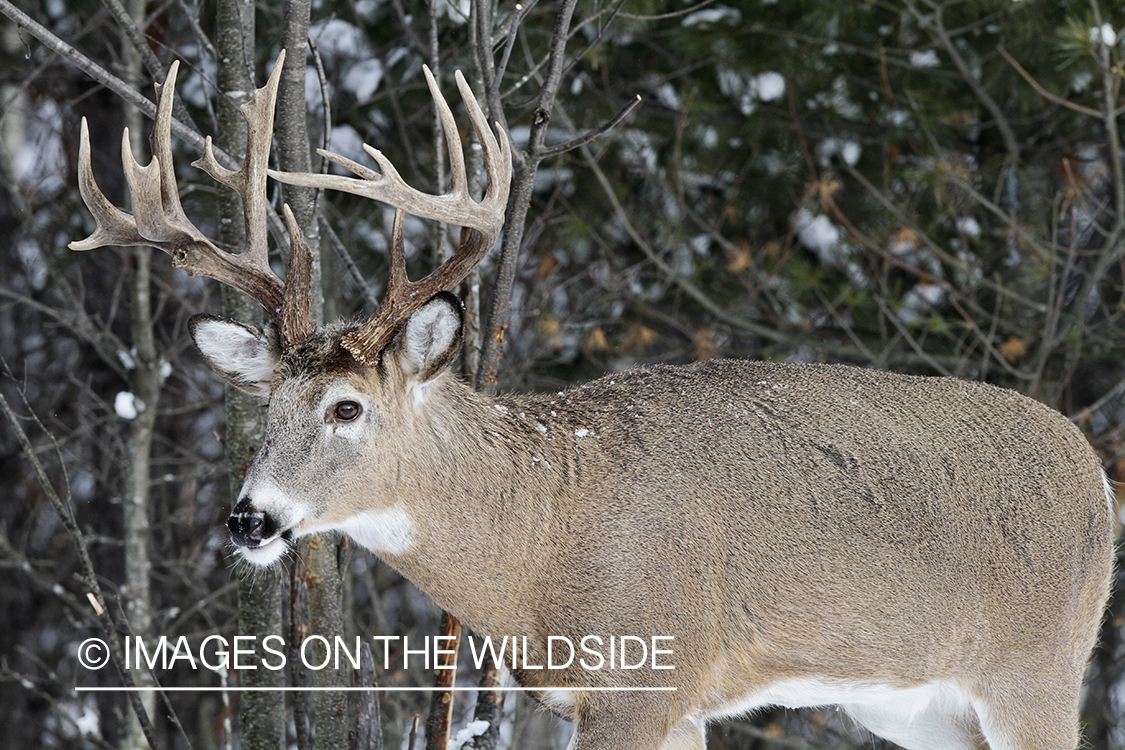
353 689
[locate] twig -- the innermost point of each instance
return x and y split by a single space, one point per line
50 692
18 560
590 135
326 100
405 25
686 285
152 63
513 29
937 24
892 316
520 197
349 262
1112 248
104 342
193 22
949 289
664 16
934 247
414 732
1109 395
1042 91
487 68
440 246
613 13
1111 89
136 38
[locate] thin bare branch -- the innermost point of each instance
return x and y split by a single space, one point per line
510 42
140 42
65 512
498 309
1042 91
935 23
326 104
107 79
590 135
689 287
665 16
613 13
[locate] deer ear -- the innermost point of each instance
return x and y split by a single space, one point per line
245 357
430 339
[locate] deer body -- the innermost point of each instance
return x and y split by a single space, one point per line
933 555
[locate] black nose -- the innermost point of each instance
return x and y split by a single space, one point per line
248 526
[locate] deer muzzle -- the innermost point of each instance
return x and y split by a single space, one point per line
250 527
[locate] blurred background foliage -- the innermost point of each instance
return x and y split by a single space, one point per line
925 187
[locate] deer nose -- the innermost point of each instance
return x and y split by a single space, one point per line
247 526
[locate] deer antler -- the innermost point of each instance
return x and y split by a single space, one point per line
483 219
159 220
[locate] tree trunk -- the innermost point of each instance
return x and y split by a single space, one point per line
261 714
145 389
321 571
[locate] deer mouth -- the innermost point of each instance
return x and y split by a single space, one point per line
268 551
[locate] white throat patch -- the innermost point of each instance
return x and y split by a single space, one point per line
387 531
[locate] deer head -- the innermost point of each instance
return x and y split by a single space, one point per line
407 342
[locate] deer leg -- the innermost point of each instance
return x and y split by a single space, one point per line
1030 724
639 721
687 735
627 736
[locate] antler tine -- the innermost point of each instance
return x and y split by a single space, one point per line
114 226
483 219
296 312
459 182
159 220
497 155
250 181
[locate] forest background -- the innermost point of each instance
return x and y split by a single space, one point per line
919 186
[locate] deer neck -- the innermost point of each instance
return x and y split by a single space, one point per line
490 501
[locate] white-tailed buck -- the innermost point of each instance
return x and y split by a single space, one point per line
932 555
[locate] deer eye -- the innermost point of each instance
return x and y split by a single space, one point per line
346 411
